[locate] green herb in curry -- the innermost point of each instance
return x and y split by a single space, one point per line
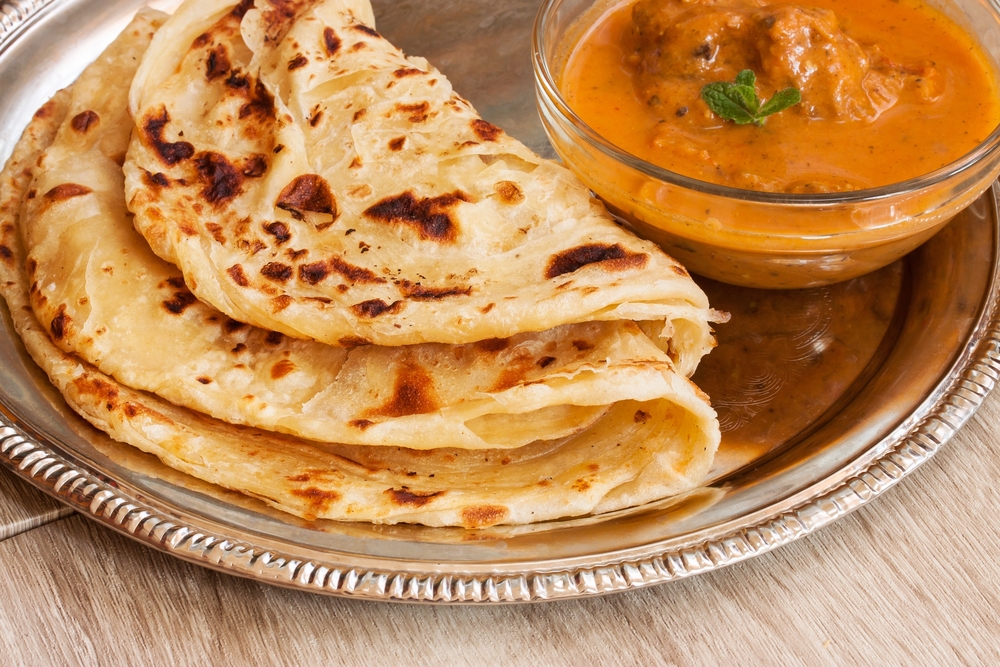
739 103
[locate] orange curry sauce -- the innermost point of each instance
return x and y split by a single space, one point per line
892 89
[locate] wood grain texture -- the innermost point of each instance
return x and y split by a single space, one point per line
910 579
22 507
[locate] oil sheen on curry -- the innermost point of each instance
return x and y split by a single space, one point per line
891 89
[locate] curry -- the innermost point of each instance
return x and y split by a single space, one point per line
891 90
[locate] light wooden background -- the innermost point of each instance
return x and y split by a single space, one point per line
911 579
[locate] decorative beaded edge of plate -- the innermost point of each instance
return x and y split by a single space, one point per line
116 509
13 13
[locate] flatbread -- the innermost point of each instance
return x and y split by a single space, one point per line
308 178
108 299
634 453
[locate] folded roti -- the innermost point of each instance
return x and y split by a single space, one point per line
308 178
109 300
635 451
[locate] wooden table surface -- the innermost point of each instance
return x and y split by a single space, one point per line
912 578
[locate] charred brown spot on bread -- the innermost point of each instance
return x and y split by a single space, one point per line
413 393
514 372
641 417
492 345
279 231
59 326
45 110
417 112
222 180
680 270
418 292
308 192
179 302
282 368
356 162
261 104
361 423
277 272
204 380
397 144
482 516
316 117
201 41
274 338
487 308
407 71
313 273
508 192
428 216
545 361
319 499
98 388
362 28
83 121
353 341
485 131
254 166
240 348
280 302
240 10
297 62
6 254
278 16
359 191
404 497
612 257
155 181
65 191
374 307
583 345
231 326
237 81
132 410
355 274
169 152
331 41
359 114
217 64
238 275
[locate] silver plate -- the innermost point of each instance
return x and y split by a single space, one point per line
934 360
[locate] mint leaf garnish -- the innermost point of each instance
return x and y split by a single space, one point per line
739 103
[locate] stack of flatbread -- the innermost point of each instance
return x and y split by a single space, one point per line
259 242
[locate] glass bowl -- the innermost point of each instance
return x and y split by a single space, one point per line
713 229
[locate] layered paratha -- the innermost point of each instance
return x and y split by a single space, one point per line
110 324
108 299
309 178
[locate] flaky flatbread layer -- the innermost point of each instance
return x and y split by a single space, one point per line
634 453
108 299
309 178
